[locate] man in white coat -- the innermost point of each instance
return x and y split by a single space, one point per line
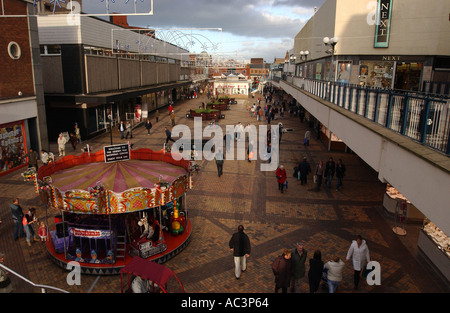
359 252
62 145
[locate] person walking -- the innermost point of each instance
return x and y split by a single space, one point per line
330 168
148 126
128 130
304 169
157 115
77 133
315 271
168 135
340 173
307 138
281 177
121 129
298 256
73 140
17 215
282 269
219 162
334 273
240 246
172 118
359 253
170 108
28 221
319 175
32 159
62 145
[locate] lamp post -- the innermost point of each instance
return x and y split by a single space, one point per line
330 42
304 55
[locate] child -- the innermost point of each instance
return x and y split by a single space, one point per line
43 232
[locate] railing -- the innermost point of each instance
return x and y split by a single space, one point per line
423 117
43 287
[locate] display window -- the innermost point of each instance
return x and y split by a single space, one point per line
441 240
12 145
376 74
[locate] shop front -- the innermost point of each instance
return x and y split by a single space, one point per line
12 145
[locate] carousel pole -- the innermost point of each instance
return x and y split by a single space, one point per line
63 234
108 210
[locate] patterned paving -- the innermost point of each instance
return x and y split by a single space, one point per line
326 220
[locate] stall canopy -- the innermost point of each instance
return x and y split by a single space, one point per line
157 273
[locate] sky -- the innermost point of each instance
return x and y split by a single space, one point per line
249 28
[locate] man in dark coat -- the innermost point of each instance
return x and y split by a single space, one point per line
282 269
340 173
304 169
240 245
32 159
17 215
330 167
298 256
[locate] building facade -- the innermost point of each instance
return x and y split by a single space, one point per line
22 118
95 71
404 47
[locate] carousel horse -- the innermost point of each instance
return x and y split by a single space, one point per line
148 230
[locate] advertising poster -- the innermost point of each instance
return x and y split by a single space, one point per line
344 69
12 145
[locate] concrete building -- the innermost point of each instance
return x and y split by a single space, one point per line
94 70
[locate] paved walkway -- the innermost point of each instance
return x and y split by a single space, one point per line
326 220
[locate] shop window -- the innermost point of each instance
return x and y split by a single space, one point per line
14 50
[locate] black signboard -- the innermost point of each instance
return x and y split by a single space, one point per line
117 153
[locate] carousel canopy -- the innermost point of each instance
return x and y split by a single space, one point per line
157 273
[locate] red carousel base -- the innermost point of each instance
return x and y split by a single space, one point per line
175 244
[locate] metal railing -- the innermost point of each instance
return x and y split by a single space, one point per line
422 117
44 288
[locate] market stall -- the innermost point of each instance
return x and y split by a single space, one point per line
109 213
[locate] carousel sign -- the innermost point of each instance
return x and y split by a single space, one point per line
117 153
90 233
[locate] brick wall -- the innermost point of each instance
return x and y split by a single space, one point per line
15 75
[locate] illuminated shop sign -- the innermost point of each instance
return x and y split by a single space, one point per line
383 24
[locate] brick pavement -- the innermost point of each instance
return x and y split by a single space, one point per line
325 220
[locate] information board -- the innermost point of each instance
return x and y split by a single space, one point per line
117 153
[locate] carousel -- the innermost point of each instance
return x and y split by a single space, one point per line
106 212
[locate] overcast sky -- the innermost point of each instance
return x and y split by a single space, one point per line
250 28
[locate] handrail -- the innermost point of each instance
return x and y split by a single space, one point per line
43 287
424 118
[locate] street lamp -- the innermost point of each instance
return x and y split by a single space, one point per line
330 42
304 55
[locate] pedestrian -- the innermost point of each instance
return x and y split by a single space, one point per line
219 162
121 129
43 234
44 157
17 215
307 138
62 145
240 246
168 135
298 256
170 108
157 115
5 282
32 159
281 177
315 271
280 131
172 118
359 253
128 131
340 173
148 126
77 133
73 140
304 169
250 153
28 221
334 273
319 175
227 137
330 168
282 269
239 131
